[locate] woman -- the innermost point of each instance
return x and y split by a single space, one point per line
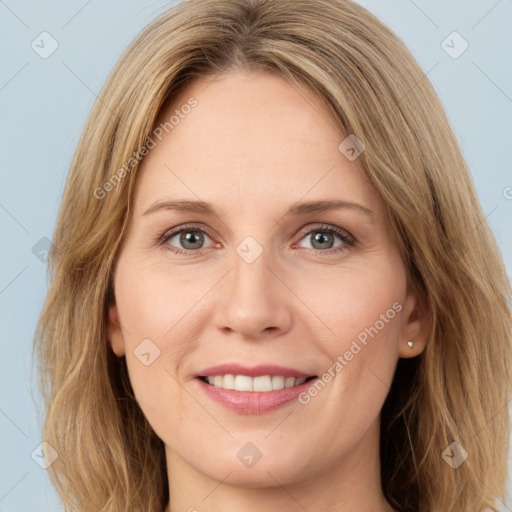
201 349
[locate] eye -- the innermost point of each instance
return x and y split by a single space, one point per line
323 238
188 240
185 240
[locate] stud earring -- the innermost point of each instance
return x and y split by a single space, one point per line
410 343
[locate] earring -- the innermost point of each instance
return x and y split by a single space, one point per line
410 343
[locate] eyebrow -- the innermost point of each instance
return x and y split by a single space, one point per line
297 209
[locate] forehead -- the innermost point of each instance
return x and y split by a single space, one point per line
249 138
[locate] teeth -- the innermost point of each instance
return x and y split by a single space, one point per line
242 383
260 384
277 382
228 382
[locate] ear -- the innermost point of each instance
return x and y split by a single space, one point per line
416 325
115 333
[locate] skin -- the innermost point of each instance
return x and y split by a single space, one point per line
253 146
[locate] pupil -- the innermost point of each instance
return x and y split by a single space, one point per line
322 237
191 237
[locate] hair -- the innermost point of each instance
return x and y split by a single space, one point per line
455 391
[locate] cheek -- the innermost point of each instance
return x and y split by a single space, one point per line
162 310
363 313
360 304
157 302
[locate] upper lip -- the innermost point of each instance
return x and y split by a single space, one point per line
251 371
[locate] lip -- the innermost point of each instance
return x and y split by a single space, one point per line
253 402
253 371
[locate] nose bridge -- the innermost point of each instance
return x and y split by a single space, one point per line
253 301
251 267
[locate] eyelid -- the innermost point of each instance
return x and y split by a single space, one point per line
322 226
169 233
345 236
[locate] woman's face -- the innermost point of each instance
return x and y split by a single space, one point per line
225 264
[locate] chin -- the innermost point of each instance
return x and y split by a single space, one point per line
266 472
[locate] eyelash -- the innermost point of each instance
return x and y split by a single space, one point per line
345 237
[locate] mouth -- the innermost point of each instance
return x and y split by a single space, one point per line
253 389
260 384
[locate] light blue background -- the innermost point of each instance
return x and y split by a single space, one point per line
44 104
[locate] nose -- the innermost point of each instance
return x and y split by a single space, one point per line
253 301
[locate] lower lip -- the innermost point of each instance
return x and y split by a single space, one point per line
254 402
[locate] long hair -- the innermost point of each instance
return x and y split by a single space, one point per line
456 391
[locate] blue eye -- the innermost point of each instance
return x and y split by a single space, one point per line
323 239
189 240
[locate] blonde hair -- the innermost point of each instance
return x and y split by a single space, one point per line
455 391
